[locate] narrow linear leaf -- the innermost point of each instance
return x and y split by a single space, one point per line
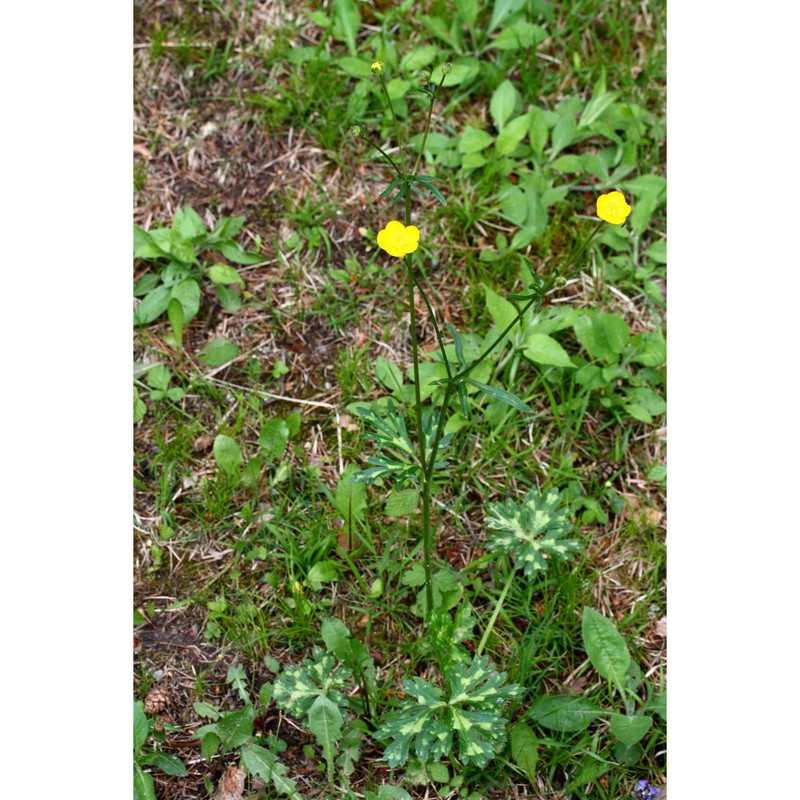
502 395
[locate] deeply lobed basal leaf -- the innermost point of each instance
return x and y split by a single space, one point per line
532 531
297 688
470 714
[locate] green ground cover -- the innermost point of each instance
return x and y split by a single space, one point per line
283 644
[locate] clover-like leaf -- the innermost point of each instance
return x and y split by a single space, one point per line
532 531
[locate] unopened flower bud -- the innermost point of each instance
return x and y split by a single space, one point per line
355 132
424 77
447 68
377 67
561 282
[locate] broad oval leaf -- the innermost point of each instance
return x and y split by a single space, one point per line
143 787
501 310
236 728
224 274
503 103
153 306
219 352
512 134
227 454
565 713
325 722
605 647
524 749
187 292
141 727
543 349
630 729
170 764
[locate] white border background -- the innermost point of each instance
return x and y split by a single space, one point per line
733 310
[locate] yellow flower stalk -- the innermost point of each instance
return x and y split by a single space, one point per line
398 240
612 208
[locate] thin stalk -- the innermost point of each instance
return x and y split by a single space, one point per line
386 156
396 132
427 539
496 611
464 372
427 128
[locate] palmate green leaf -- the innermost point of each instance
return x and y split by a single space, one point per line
605 647
532 531
429 720
296 689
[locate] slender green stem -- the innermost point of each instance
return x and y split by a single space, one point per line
386 156
396 127
436 328
464 372
496 611
427 128
427 537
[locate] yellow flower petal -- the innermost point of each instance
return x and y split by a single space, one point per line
398 240
612 208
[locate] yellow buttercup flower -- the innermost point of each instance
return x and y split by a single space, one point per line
612 208
376 67
398 240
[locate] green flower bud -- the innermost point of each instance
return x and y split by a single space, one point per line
447 68
355 132
377 67
424 77
560 282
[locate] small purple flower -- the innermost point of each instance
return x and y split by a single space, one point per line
644 791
